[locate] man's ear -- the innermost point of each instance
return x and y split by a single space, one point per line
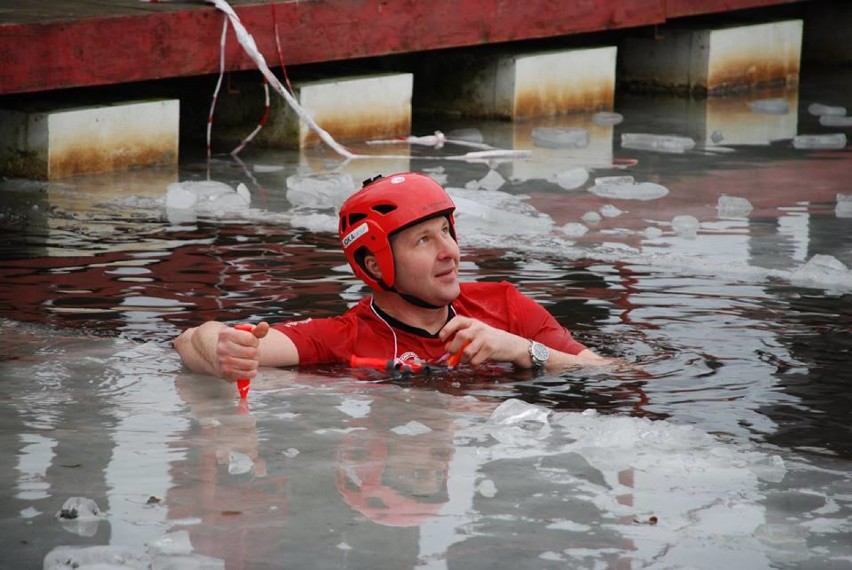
372 267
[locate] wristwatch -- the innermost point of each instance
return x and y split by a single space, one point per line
538 354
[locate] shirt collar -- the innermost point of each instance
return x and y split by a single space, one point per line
399 325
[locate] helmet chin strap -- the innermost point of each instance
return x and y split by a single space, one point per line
417 301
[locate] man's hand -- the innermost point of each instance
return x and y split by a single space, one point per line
482 342
485 342
217 349
238 352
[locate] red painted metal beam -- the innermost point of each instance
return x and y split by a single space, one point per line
682 8
123 41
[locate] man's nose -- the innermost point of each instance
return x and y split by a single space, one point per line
448 247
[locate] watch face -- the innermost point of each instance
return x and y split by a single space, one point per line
539 353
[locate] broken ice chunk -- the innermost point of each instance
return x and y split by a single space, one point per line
661 143
733 207
820 142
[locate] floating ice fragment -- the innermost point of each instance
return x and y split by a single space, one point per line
204 190
560 137
491 181
833 141
653 232
176 542
591 218
823 270
315 222
823 110
66 557
770 468
437 174
487 488
776 106
319 190
574 229
355 408
243 192
487 213
843 209
610 211
624 188
733 207
79 508
601 180
180 197
29 512
515 411
573 178
411 428
685 225
186 199
835 121
662 143
239 463
605 118
290 452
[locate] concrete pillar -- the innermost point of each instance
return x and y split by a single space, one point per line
714 62
355 108
722 121
520 86
54 143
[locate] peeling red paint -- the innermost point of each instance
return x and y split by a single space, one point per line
45 47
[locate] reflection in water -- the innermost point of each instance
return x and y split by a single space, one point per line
730 430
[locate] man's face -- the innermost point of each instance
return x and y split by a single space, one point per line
427 261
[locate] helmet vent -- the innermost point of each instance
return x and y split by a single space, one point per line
384 209
351 220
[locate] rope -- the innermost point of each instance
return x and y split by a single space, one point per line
218 87
247 41
262 123
278 49
248 44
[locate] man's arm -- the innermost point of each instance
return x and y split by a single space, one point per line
483 342
219 350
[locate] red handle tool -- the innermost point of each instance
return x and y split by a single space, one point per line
243 384
454 359
385 365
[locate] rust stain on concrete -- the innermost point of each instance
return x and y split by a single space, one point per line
378 124
88 155
564 98
753 69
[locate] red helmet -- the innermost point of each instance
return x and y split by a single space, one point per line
383 206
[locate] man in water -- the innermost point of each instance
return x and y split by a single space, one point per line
399 237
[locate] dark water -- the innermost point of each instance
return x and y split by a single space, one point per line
726 445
